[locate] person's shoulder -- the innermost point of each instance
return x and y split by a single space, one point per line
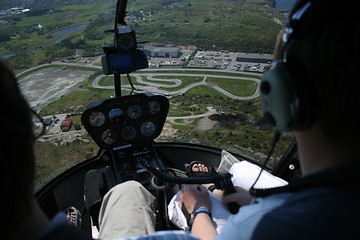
164 235
66 231
310 214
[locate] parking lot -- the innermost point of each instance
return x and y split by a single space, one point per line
229 61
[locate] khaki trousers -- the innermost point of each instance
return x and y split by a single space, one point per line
128 209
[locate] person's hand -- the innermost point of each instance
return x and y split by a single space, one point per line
193 197
241 197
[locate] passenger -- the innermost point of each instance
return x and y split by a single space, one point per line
23 218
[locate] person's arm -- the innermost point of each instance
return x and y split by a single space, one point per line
203 227
196 197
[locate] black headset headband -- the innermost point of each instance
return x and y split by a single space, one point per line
290 29
282 100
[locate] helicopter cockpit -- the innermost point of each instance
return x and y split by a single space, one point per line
124 128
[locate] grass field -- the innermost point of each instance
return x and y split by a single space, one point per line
236 87
109 81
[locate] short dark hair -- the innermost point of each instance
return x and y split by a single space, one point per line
16 149
322 57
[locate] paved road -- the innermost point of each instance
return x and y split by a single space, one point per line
210 112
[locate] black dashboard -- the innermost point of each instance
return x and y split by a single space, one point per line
125 120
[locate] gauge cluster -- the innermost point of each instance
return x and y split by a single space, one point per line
128 119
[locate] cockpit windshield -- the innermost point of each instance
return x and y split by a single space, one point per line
205 56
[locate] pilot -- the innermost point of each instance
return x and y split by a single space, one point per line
312 92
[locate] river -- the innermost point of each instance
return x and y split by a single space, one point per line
285 4
66 31
7 56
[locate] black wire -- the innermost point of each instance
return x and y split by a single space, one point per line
275 141
131 84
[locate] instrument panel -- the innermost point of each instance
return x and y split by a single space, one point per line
128 119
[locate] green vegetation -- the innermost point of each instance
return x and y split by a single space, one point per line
241 25
33 45
76 120
233 25
236 131
54 158
109 81
185 81
80 99
236 87
205 90
182 127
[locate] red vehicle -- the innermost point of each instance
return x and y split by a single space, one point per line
66 125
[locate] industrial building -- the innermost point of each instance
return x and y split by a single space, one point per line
162 52
254 58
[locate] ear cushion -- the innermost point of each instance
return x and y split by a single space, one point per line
279 99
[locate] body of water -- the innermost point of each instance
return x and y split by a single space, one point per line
285 4
7 56
66 31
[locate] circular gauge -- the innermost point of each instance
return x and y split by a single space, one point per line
115 114
97 119
134 111
108 137
128 133
147 129
154 107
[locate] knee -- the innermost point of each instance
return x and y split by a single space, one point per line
131 184
129 191
128 186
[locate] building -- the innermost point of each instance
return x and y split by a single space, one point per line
254 58
162 52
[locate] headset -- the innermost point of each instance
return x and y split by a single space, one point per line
283 104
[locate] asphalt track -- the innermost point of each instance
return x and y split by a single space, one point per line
154 86
49 84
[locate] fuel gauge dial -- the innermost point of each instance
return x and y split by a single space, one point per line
108 137
128 133
134 111
147 129
154 107
97 119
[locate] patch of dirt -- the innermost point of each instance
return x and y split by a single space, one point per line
206 124
48 85
167 132
229 120
64 138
